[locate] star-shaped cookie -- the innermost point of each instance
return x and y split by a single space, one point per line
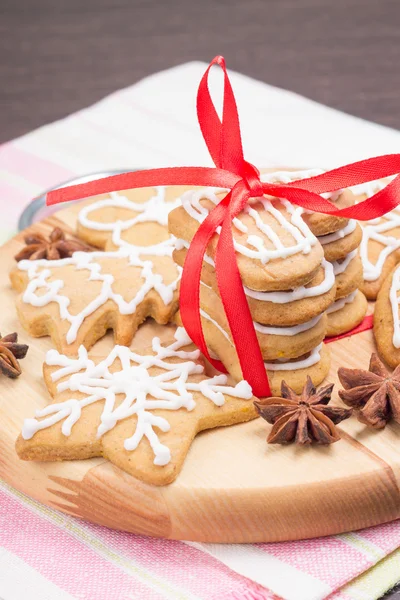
133 276
139 409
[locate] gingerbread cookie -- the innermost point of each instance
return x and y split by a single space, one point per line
285 307
339 244
319 223
348 274
346 313
140 411
76 299
387 319
275 342
294 371
380 245
275 249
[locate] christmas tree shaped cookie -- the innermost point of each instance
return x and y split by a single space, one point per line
76 299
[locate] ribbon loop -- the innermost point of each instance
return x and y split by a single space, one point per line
224 143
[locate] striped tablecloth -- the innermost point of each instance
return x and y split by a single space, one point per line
46 555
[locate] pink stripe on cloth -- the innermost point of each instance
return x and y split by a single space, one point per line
195 571
386 536
63 559
31 167
316 557
12 203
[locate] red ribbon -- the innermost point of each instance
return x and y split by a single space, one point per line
232 171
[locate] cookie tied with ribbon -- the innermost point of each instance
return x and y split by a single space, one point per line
243 182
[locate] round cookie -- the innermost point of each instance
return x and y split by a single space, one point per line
339 244
275 342
312 299
348 274
316 364
275 250
296 378
346 313
380 245
386 320
320 224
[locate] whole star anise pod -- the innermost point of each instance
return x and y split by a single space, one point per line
303 418
375 393
10 352
52 248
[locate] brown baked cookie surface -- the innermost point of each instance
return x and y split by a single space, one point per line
346 313
275 250
140 409
285 307
131 277
387 319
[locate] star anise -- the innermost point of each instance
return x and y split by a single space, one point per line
303 418
10 352
375 393
52 248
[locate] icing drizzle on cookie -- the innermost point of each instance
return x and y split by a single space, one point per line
294 364
341 302
141 390
394 303
283 297
377 230
41 291
303 238
338 235
339 267
299 293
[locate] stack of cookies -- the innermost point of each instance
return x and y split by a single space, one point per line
340 239
288 276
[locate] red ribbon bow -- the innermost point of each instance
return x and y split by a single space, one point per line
232 171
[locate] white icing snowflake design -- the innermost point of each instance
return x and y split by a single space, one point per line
156 210
142 391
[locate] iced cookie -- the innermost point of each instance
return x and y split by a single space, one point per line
348 274
275 249
294 371
319 223
140 411
76 299
380 245
287 307
387 319
346 313
275 342
339 244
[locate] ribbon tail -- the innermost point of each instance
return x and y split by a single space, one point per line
186 176
191 276
238 313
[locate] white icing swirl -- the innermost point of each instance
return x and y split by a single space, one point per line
340 267
142 391
394 302
287 331
303 238
294 365
341 303
298 293
39 272
285 296
338 235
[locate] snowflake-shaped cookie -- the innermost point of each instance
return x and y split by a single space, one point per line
75 300
141 411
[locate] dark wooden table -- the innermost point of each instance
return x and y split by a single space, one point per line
58 56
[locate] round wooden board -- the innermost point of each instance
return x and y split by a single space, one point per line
233 486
